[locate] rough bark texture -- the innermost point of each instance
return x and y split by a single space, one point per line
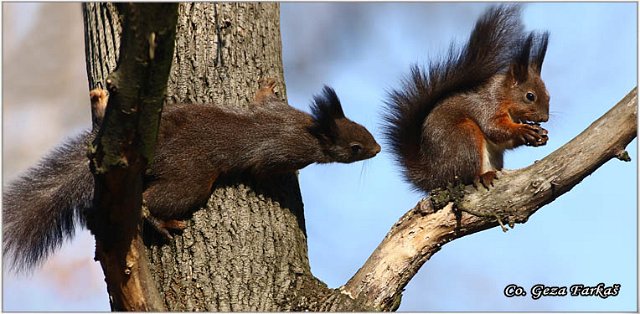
516 196
102 28
243 251
247 250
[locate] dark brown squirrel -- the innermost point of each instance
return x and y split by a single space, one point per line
196 145
453 122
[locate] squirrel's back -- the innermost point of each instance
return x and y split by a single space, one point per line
272 137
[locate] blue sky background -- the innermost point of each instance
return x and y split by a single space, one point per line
587 236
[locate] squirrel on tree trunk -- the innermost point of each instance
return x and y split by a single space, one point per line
453 122
196 145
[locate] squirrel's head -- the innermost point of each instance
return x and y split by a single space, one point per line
524 84
342 140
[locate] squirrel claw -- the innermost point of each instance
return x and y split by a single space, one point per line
486 179
162 226
175 224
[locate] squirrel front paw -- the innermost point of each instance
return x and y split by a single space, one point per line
266 90
533 135
99 98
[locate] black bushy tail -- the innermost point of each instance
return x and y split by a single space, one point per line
40 209
489 50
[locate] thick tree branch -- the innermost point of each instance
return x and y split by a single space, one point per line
123 147
517 195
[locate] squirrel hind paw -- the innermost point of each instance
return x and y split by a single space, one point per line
486 179
163 226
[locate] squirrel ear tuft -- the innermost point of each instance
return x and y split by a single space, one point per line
327 104
326 108
519 68
539 51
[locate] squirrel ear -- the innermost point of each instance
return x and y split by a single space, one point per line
519 68
518 74
326 108
540 50
327 104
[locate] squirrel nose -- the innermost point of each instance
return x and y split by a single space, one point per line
545 118
376 149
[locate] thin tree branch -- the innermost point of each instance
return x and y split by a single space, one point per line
515 197
122 149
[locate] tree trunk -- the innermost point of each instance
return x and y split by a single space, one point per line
247 249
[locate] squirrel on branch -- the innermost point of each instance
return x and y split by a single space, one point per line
196 145
453 122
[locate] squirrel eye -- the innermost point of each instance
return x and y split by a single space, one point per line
531 96
356 148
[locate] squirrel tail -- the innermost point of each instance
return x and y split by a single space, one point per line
489 50
40 208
